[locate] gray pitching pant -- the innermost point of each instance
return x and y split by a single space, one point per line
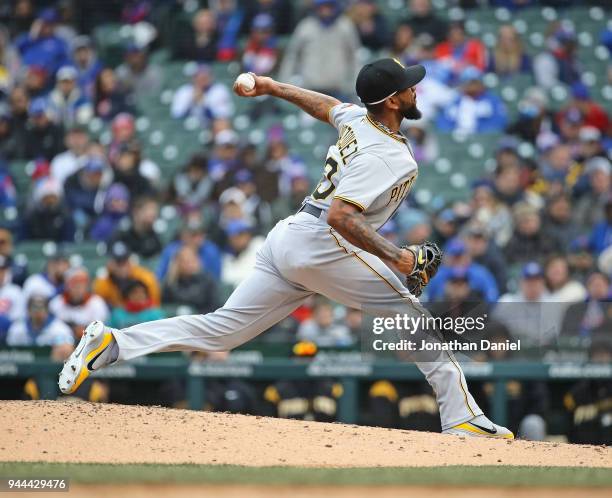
303 255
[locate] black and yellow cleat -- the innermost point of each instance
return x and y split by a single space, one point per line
480 426
87 357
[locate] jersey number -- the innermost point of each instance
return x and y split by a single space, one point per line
331 168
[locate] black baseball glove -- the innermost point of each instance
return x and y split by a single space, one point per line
427 259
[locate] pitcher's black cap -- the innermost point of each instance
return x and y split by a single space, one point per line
381 79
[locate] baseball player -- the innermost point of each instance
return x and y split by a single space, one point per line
329 247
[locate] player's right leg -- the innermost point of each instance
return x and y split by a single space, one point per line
360 280
259 302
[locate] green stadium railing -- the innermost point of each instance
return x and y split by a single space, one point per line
350 369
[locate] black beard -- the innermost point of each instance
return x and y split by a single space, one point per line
412 113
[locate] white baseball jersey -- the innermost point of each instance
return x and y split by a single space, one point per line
369 166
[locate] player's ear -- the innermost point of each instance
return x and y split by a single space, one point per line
393 103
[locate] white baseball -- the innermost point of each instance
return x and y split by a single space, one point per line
246 81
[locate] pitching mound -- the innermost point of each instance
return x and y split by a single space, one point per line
60 431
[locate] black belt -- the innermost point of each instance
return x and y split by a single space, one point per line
310 209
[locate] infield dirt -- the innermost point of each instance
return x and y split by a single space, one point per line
62 431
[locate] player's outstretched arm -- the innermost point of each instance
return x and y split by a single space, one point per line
348 220
314 103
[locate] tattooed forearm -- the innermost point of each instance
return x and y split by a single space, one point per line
351 224
314 103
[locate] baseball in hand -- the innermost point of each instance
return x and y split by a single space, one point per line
246 81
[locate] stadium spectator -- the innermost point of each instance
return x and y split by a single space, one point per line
192 187
261 52
370 23
19 16
123 131
445 225
289 203
68 105
601 235
19 103
120 271
402 46
460 52
323 329
569 121
459 298
203 98
19 269
590 144
507 184
281 11
187 284
225 156
413 226
41 328
42 138
87 64
279 169
475 109
8 146
327 31
253 207
485 252
68 162
589 209
594 314
12 302
48 217
523 313
137 76
50 282
424 144
559 63
115 211
229 17
10 62
423 20
136 306
534 116
192 234
109 100
77 306
508 57
84 190
239 255
201 44
140 237
530 238
126 170
41 46
558 220
8 194
37 81
562 288
592 113
479 278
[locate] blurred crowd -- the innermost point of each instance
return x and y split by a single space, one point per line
534 234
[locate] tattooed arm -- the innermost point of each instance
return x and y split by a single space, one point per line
314 103
349 222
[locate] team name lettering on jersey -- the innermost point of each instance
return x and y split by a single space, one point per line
399 192
347 143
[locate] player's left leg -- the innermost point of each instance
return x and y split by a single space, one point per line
360 280
263 299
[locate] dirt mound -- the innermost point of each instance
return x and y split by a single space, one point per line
60 431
